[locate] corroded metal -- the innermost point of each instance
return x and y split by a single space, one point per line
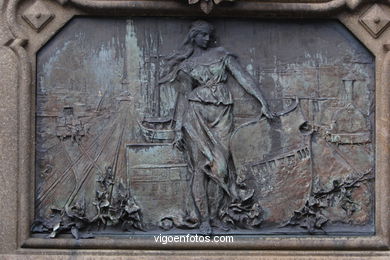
229 131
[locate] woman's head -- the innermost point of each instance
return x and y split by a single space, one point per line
200 34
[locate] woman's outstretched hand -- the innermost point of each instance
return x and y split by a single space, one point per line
268 114
178 141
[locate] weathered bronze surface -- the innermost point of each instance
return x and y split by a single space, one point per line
227 126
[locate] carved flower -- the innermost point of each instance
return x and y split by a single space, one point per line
207 5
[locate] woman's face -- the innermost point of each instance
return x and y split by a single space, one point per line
202 39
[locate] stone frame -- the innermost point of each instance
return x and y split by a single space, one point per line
20 41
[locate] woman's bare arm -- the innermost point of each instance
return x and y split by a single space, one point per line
247 82
183 86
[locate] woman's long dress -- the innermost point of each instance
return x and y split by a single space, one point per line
207 126
208 120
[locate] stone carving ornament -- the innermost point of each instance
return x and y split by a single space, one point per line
207 5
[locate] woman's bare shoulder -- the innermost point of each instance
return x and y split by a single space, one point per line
220 51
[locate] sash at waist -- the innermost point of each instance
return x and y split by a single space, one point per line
215 94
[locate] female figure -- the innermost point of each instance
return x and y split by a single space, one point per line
204 120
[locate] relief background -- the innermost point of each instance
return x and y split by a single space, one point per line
108 80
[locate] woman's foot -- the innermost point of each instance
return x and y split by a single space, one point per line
205 228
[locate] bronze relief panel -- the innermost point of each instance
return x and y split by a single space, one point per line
230 126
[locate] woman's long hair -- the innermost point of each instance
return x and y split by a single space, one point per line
186 50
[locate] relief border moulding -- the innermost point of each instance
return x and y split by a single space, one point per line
15 38
253 7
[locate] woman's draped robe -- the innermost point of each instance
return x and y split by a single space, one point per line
206 121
